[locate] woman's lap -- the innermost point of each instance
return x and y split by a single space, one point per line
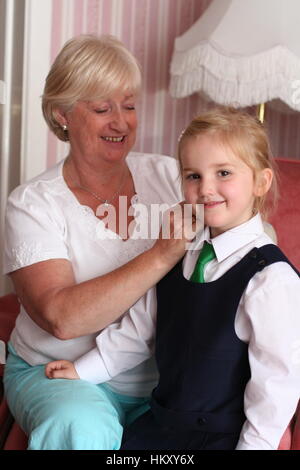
66 414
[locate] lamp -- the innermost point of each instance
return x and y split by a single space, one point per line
241 53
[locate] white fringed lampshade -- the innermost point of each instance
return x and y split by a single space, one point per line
241 53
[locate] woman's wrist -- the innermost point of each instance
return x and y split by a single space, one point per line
165 255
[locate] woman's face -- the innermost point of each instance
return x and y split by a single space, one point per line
103 129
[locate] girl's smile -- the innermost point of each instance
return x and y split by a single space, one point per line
212 204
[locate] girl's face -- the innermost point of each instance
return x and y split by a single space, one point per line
214 176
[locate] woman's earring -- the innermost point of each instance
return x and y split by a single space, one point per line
64 128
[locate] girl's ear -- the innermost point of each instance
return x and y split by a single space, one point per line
263 182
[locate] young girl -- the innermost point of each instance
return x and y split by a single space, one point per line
226 332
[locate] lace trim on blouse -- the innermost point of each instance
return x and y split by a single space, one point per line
26 254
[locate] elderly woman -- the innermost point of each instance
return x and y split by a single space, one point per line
73 274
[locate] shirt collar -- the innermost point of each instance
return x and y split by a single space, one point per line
232 240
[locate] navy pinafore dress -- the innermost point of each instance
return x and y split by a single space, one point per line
203 365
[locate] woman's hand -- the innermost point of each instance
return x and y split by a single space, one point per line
179 227
61 370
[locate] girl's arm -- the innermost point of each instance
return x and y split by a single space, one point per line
121 346
272 306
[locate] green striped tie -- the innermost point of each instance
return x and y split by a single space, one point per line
206 254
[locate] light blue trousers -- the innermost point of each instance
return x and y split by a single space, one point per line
62 414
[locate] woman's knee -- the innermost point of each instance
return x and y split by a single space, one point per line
77 428
77 424
63 414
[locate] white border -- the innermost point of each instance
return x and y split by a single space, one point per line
8 58
5 144
37 57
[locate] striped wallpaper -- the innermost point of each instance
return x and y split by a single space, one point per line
148 28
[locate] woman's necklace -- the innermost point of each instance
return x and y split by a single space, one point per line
107 202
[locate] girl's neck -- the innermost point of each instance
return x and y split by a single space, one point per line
213 232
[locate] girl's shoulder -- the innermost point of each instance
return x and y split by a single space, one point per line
273 256
277 276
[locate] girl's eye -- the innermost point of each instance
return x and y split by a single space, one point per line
192 176
224 173
130 107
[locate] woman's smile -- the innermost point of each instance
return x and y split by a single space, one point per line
114 139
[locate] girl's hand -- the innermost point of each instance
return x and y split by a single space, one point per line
61 370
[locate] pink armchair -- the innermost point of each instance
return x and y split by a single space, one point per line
286 222
11 435
286 219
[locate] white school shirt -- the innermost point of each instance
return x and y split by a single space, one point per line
46 221
268 319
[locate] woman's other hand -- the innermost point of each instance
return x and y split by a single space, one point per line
61 370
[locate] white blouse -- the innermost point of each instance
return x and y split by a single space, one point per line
267 319
44 220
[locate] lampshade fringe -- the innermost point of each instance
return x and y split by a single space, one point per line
236 80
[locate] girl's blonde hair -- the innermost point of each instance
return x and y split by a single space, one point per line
246 137
88 68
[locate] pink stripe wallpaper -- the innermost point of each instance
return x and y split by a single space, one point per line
148 28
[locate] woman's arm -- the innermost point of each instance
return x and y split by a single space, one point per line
48 292
67 310
120 347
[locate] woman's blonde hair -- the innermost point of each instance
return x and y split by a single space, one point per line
246 137
88 68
